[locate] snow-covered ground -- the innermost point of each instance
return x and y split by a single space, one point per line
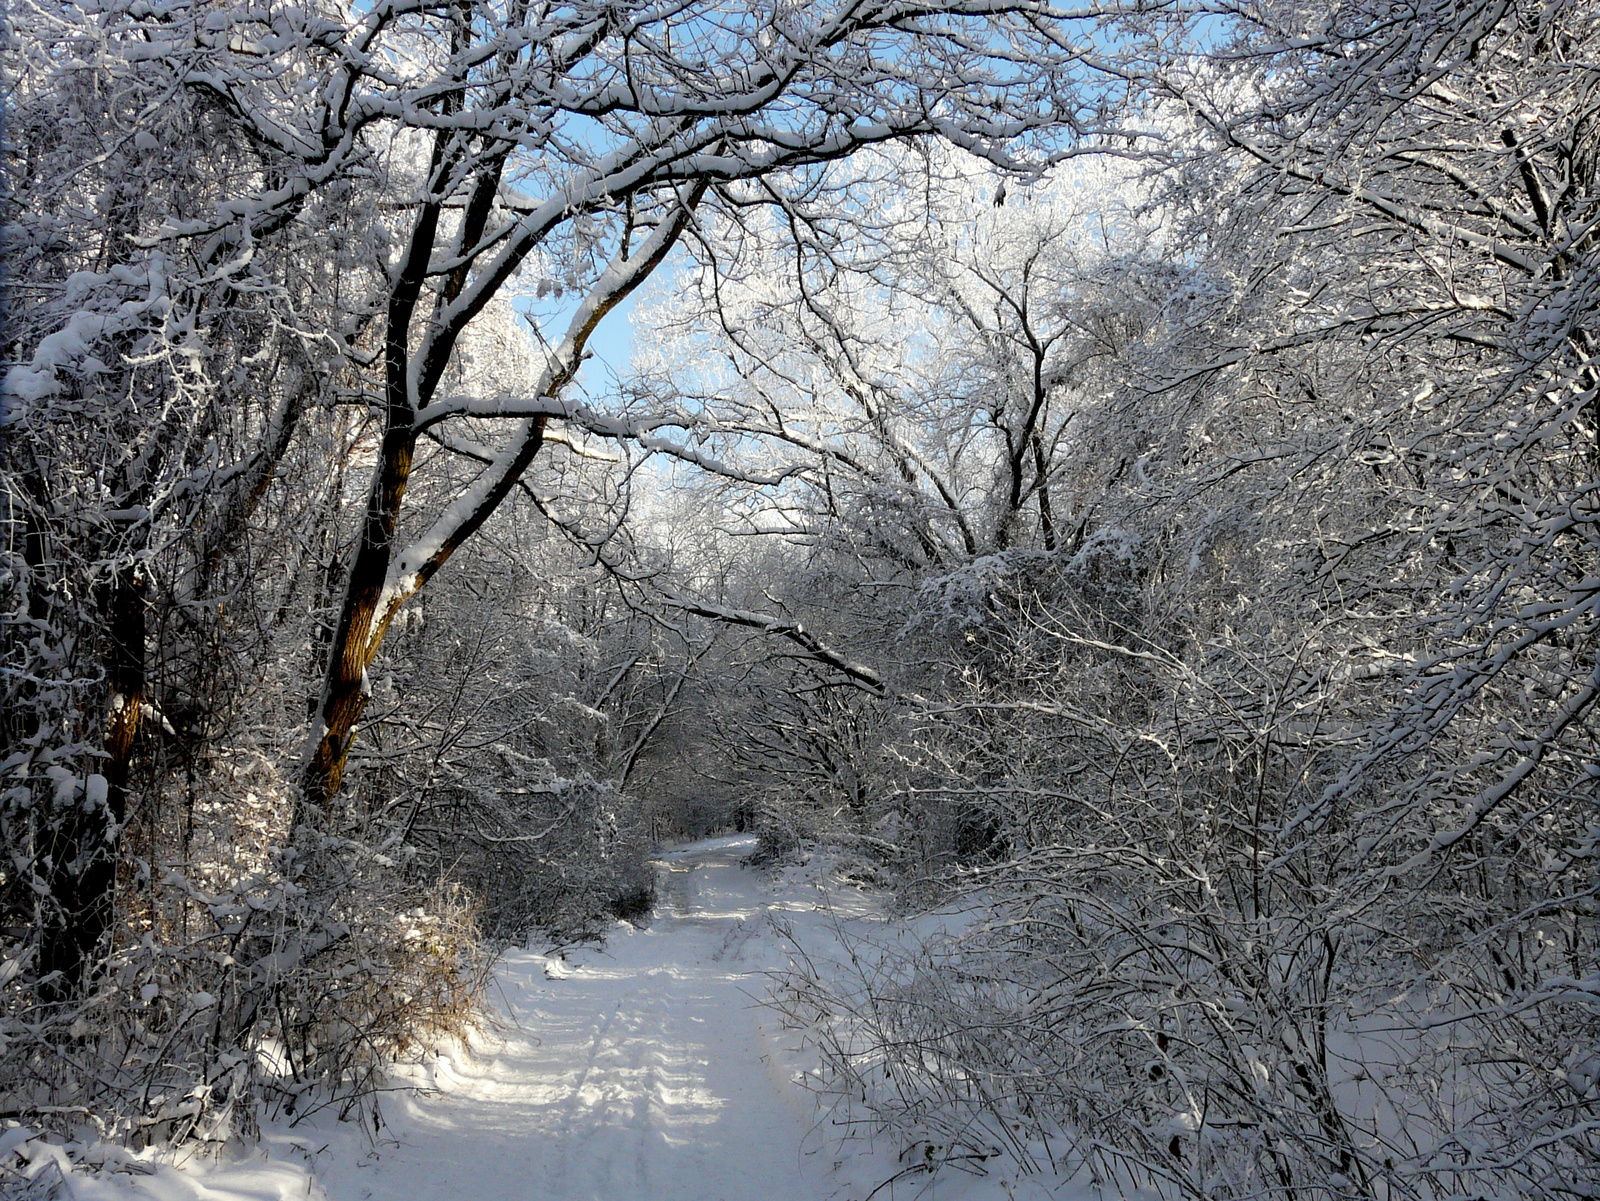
642 1069
645 1069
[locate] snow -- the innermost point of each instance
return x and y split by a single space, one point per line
643 1069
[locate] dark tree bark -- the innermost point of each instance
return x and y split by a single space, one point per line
82 846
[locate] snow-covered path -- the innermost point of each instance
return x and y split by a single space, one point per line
643 1070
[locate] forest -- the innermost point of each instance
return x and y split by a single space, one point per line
1128 470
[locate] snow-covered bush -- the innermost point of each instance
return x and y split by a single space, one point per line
241 979
1165 979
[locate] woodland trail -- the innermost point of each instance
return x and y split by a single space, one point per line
641 1070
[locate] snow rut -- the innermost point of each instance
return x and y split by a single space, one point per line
640 1071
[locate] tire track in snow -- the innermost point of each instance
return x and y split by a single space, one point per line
642 1074
574 1118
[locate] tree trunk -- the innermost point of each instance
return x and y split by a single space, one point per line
345 691
83 846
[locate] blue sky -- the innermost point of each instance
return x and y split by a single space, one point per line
611 344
